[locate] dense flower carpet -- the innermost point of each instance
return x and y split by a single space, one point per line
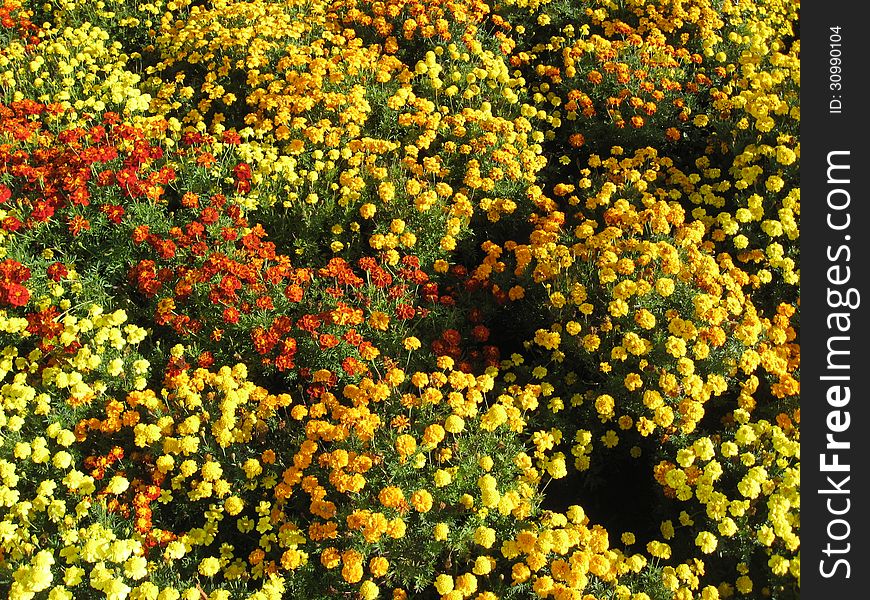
437 299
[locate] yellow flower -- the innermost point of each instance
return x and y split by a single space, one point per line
379 320
444 584
234 505
484 536
744 584
706 541
386 191
368 590
665 286
442 478
209 566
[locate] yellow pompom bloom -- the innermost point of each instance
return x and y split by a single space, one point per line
421 500
209 567
706 541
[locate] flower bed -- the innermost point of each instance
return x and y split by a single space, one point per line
399 299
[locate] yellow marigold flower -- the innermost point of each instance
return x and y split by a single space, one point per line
406 445
444 584
659 549
369 590
706 541
665 286
209 566
379 320
433 434
378 566
117 485
234 505
605 404
454 424
211 471
484 536
520 573
330 558
591 342
386 191
421 500
466 584
442 478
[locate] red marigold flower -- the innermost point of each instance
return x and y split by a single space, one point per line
190 200
12 224
209 215
265 303
480 333
42 211
327 340
242 171
206 160
205 360
405 311
14 294
231 137
367 263
353 337
140 234
352 366
452 337
293 293
308 323
56 271
13 271
380 277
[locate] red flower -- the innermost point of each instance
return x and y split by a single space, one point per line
480 333
405 311
205 360
13 271
452 337
231 315
327 340
14 294
352 366
11 224
293 293
206 160
209 215
242 171
78 224
380 277
113 212
353 337
265 303
232 138
140 234
56 271
308 323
